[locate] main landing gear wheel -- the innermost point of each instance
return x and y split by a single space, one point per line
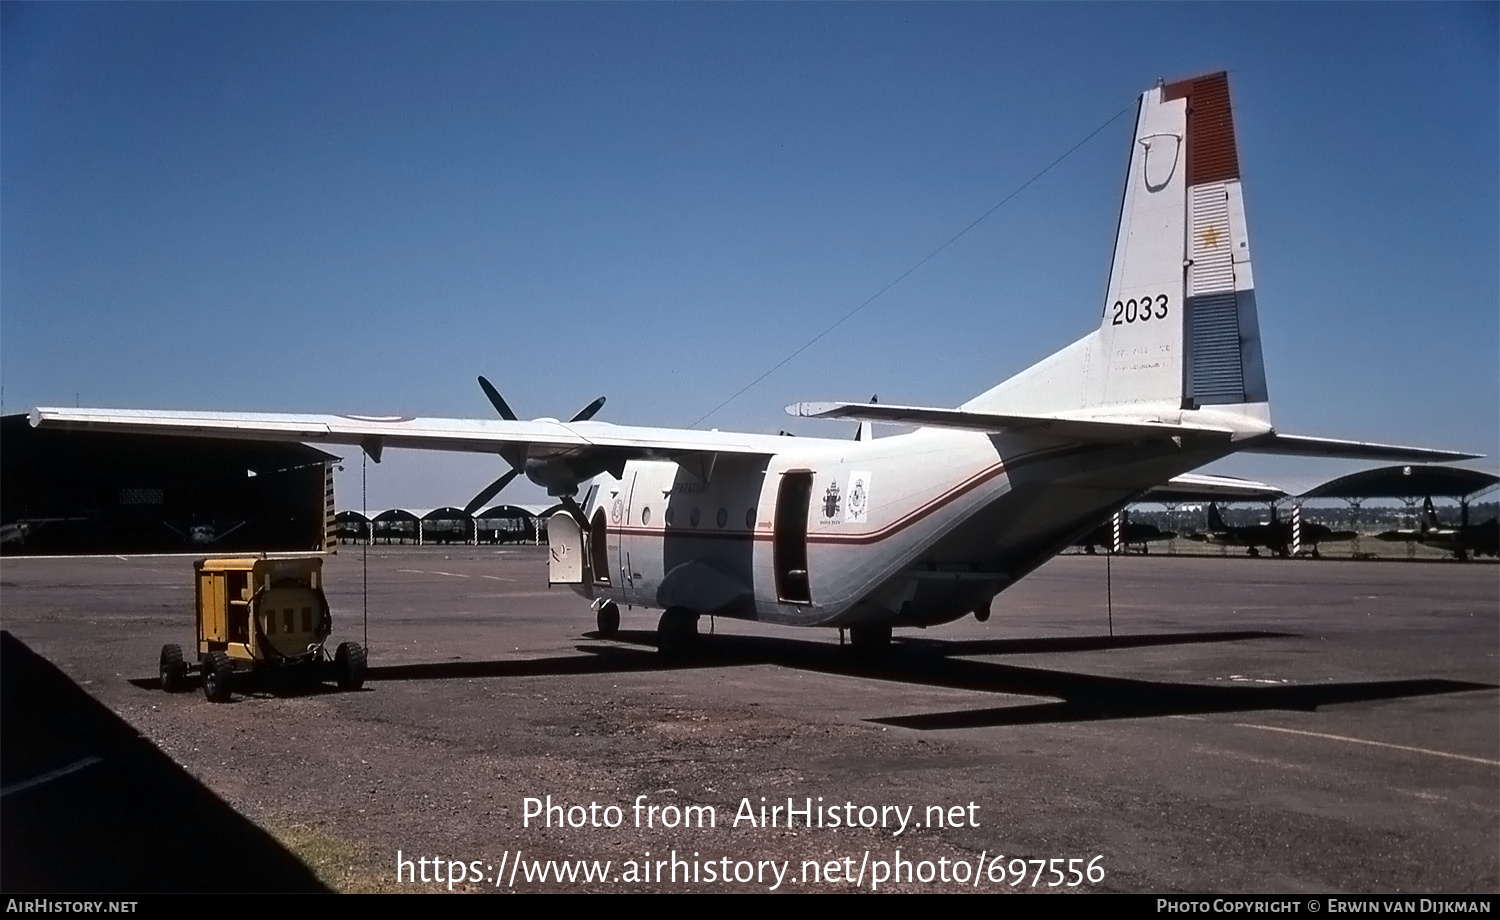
676 633
607 619
870 638
173 668
217 672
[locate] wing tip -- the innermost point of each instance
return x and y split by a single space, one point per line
810 409
1307 446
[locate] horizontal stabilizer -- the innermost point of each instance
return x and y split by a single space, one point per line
1077 429
1301 446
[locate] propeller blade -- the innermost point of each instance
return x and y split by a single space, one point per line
496 400
490 492
588 411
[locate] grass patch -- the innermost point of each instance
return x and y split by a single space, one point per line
338 863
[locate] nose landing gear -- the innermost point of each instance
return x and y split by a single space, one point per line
607 619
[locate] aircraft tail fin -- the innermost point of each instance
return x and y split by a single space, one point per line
1429 515
1216 520
1179 329
866 431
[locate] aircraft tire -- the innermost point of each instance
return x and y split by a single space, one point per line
217 672
173 668
607 620
676 633
349 663
868 638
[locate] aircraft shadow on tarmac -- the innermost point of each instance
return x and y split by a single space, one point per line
937 663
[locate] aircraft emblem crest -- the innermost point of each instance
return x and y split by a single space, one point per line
831 501
859 498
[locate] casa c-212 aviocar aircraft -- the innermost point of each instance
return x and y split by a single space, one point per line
920 528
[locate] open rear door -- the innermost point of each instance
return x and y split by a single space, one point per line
793 498
567 561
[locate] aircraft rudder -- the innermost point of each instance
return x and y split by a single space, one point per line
1222 360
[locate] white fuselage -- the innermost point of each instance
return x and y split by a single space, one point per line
915 529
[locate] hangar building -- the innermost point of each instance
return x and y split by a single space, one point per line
83 492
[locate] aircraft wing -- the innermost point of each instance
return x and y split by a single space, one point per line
1301 445
1078 429
518 441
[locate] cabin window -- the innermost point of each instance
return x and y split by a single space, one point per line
750 519
723 516
695 517
646 515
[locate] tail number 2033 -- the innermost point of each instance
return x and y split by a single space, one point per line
1139 311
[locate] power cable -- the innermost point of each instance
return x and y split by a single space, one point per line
923 261
364 557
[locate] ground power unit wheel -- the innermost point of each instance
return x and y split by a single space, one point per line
217 674
173 669
349 665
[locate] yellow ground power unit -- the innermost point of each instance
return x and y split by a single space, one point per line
257 615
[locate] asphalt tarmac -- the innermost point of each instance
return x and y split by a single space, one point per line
1242 725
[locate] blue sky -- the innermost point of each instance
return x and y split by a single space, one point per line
360 207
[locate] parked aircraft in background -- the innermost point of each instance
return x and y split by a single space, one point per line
1131 535
16 532
1462 541
1277 536
920 528
202 533
1189 487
